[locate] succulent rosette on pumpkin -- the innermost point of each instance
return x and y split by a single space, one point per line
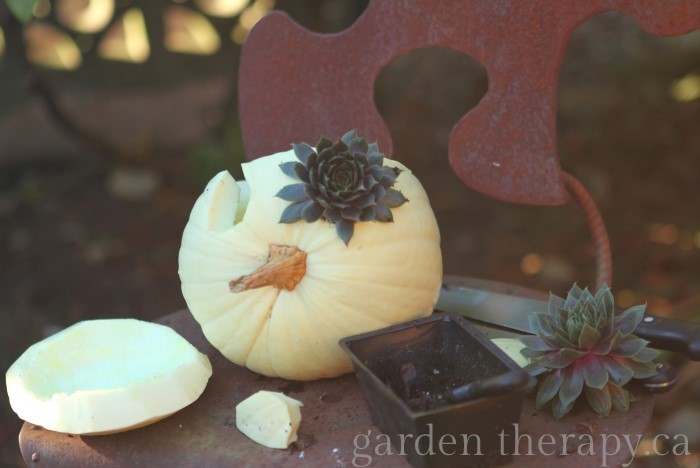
317 244
582 345
343 182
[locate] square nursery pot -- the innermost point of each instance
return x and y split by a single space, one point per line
407 372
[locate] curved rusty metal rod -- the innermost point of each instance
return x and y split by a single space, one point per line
597 227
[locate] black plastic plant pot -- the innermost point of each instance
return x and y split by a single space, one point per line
410 374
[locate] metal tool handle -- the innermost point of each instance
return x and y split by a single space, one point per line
672 335
662 382
497 385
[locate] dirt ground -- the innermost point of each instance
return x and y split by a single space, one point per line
71 248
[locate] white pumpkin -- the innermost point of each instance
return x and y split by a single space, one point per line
389 273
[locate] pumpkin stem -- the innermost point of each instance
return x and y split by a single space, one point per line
285 267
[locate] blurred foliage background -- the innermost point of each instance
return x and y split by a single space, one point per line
115 113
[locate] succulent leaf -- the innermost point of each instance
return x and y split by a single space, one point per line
586 297
531 353
571 387
342 182
324 143
292 213
582 343
534 369
604 347
375 158
332 214
556 360
302 151
383 213
629 346
572 298
543 324
549 388
349 136
594 373
301 172
599 399
555 302
312 211
288 168
572 353
589 337
293 193
351 213
358 145
619 398
365 200
559 409
561 314
535 343
368 214
345 230
605 300
563 341
630 318
646 355
642 370
393 198
619 374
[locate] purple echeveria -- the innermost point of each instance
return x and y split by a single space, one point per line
582 345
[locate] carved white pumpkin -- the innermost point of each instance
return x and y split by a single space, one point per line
277 297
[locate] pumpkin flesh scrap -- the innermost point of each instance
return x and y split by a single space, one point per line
105 376
269 418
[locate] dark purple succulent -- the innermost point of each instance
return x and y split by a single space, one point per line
342 182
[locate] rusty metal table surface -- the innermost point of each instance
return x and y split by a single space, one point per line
334 412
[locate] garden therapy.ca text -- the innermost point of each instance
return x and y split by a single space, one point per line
368 446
